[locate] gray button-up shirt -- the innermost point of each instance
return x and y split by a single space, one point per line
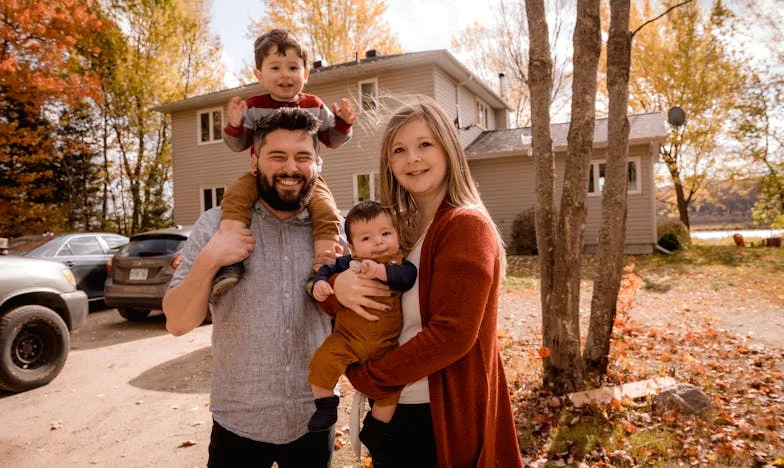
265 330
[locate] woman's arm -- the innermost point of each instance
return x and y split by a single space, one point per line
465 274
355 293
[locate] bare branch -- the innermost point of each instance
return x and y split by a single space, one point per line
665 12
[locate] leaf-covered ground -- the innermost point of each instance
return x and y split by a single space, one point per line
712 316
694 317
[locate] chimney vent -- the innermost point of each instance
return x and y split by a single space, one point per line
372 53
502 85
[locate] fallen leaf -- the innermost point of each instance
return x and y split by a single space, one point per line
187 443
544 352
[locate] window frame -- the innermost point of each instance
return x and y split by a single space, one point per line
597 192
214 196
212 140
482 115
374 82
373 188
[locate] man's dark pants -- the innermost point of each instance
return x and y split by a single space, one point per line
228 450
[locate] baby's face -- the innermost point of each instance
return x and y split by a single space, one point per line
374 238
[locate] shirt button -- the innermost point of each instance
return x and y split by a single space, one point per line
287 368
288 331
286 258
286 295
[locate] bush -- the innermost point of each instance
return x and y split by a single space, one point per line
524 234
673 235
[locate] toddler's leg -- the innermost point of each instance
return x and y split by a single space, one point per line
235 214
326 220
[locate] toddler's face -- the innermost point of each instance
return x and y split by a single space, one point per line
283 75
374 238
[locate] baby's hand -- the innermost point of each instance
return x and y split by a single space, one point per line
322 290
345 111
372 270
236 111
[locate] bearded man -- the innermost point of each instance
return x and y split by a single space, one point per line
266 328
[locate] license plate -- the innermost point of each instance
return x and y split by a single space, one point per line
138 274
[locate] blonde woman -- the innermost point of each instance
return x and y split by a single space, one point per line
454 408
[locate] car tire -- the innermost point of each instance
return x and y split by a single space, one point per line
34 344
133 315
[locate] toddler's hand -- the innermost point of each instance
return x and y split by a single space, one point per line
322 290
345 111
325 252
236 111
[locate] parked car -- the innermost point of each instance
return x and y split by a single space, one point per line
39 306
86 254
139 273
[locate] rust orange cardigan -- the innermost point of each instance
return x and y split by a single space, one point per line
459 275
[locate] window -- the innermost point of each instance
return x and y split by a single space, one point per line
596 177
366 187
211 197
84 245
368 94
210 125
482 114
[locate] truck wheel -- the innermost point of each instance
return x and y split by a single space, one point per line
133 315
34 343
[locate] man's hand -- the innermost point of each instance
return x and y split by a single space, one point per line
237 108
228 247
345 111
322 290
325 252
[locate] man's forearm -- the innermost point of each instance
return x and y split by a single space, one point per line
185 305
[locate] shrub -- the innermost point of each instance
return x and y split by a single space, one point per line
524 234
674 234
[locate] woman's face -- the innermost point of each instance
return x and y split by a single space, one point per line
418 161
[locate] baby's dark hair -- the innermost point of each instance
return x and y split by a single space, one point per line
283 39
365 211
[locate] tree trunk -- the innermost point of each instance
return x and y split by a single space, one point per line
540 84
612 234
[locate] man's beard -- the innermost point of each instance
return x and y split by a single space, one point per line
287 200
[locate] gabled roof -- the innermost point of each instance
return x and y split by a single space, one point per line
355 69
643 128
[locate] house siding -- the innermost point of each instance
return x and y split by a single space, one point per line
500 183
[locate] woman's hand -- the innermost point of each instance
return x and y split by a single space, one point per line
355 293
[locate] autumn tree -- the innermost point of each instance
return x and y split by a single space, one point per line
503 46
682 60
167 54
42 72
759 118
336 31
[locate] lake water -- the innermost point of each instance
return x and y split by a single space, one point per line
746 233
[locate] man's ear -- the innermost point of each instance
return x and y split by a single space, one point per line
307 74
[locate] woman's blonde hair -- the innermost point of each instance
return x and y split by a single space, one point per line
460 188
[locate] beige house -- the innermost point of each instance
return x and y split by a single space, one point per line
499 156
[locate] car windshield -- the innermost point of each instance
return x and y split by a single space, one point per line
152 246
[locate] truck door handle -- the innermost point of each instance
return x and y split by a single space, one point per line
69 264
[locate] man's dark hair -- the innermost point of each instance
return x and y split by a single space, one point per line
365 211
285 118
283 39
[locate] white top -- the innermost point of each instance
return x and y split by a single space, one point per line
417 392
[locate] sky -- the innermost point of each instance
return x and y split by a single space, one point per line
419 25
